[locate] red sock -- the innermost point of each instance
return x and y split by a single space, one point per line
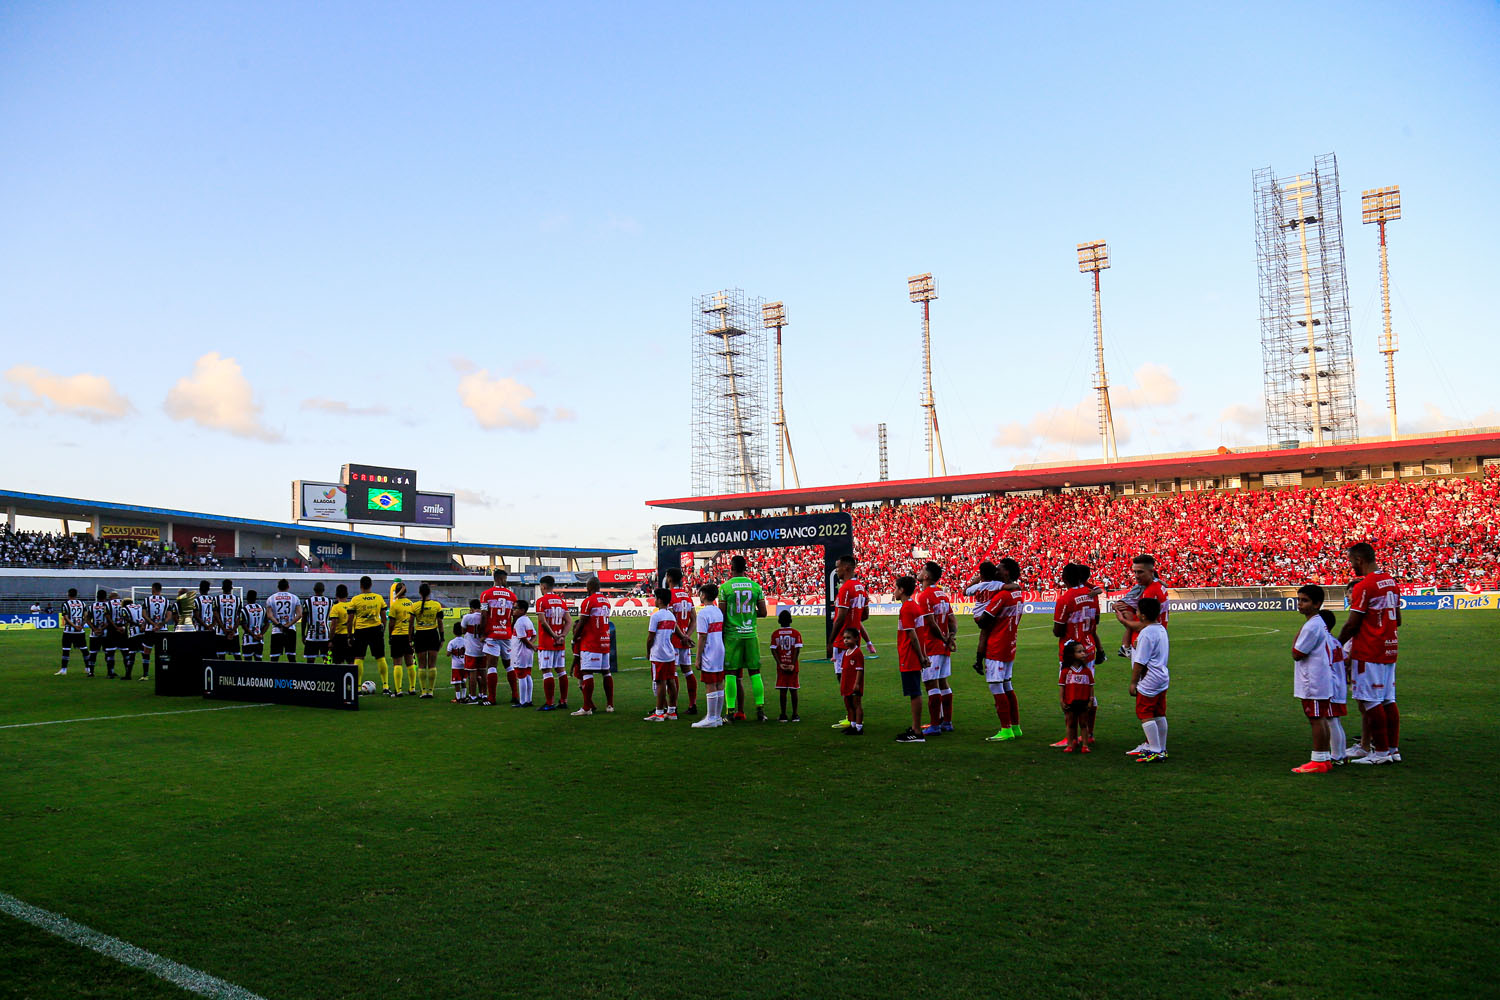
510 678
948 707
692 680
1015 709
1002 709
1375 722
1392 725
562 689
588 693
492 681
934 709
547 685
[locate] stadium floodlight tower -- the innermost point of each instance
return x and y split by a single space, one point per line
923 288
730 395
1380 206
773 317
1093 258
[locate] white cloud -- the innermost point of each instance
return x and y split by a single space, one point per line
474 498
89 396
501 402
1156 387
865 432
564 413
1433 418
338 407
218 396
1247 418
1077 425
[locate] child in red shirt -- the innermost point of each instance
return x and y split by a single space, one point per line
786 650
1076 684
852 681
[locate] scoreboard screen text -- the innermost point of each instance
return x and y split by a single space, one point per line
379 493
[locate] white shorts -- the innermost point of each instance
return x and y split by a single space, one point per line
475 651
838 661
997 671
493 647
552 661
1374 682
593 663
685 659
939 665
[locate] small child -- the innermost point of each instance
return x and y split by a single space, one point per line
471 693
660 631
1076 684
457 653
1311 678
1149 680
852 682
1338 701
522 648
786 650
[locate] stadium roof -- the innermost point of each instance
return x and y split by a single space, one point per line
41 505
1213 464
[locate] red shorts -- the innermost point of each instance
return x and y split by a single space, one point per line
851 682
469 662
1317 708
1150 706
787 679
520 672
1338 709
662 671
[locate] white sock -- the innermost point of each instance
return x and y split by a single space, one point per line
1338 742
1319 756
1161 734
716 705
1149 727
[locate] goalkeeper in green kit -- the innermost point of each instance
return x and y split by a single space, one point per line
742 602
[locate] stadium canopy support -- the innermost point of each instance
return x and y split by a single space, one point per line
833 531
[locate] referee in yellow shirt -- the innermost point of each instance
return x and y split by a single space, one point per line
340 624
427 638
368 611
401 649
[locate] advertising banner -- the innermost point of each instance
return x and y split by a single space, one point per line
626 575
434 510
331 550
315 685
1423 602
1236 604
130 531
14 623
195 540
1476 602
319 502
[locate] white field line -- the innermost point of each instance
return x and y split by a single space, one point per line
136 715
124 952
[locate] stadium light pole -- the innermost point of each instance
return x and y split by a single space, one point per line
1298 191
923 288
773 316
1093 258
1380 206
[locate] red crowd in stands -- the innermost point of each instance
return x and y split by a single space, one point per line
1443 532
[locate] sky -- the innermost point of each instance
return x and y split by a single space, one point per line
245 244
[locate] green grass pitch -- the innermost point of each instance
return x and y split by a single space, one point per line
420 849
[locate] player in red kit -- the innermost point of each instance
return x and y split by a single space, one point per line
999 622
851 608
1369 637
591 640
682 608
786 650
938 633
911 655
1075 618
552 620
498 605
1147 584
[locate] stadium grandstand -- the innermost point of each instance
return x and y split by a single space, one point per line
101 543
1221 519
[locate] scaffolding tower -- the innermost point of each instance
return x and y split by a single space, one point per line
1307 351
730 394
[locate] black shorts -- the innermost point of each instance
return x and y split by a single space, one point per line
253 649
314 648
227 645
340 649
370 641
75 640
1078 707
427 640
400 645
283 643
114 639
911 683
132 643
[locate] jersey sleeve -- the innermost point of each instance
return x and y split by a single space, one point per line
1359 596
1309 639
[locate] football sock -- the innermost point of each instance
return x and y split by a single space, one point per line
1002 709
491 684
385 673
587 686
1338 742
948 705
758 686
1015 708
730 693
692 686
1375 723
1319 756
1392 725
609 689
934 708
549 686
145 661
66 653
716 704
525 683
400 671
562 688
1161 733
1149 726
109 660
510 678
129 661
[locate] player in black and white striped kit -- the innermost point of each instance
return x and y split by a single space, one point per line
253 621
100 633
315 625
75 627
284 610
204 609
227 622
132 627
161 617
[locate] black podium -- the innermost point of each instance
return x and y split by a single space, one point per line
179 673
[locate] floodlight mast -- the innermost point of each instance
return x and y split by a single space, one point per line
1300 190
923 288
1380 206
773 316
720 307
1093 258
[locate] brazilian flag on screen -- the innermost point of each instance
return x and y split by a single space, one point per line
379 499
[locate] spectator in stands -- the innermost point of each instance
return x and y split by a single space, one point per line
53 550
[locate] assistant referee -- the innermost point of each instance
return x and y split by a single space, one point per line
368 611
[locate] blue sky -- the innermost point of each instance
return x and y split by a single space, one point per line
254 242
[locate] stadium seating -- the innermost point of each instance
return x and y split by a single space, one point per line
1442 532
53 550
